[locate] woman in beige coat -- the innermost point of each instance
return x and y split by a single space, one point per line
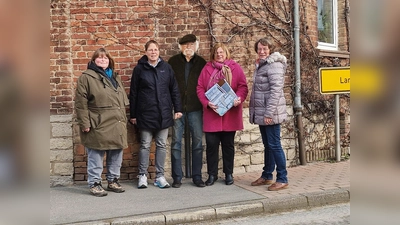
100 107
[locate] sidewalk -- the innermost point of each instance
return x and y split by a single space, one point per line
313 185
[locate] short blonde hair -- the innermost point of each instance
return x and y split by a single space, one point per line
220 45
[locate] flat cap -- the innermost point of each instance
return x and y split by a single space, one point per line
188 38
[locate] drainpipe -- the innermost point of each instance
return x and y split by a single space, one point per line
297 99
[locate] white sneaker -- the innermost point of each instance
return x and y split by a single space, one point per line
142 182
161 182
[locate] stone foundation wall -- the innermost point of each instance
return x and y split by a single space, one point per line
61 151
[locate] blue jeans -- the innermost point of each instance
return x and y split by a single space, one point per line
195 122
160 137
95 164
273 153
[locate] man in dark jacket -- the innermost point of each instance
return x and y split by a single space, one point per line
187 66
153 96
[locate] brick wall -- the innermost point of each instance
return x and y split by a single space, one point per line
61 82
77 28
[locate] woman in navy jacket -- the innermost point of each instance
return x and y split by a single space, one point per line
154 95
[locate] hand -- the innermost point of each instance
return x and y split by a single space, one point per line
133 120
177 115
267 120
237 102
86 130
212 106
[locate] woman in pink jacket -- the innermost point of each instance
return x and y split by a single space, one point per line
221 129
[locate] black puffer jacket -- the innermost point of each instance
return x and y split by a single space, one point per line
154 95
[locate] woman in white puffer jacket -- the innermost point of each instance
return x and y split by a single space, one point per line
268 110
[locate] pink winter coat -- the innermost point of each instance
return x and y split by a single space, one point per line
233 119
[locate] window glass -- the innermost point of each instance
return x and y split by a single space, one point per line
327 23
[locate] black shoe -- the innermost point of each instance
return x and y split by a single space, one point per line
228 179
199 183
211 179
176 184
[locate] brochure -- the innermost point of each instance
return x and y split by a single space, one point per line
222 95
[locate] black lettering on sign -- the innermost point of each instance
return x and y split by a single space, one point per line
344 80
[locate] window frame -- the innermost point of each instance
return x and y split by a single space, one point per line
335 27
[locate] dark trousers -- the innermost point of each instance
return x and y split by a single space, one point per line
213 139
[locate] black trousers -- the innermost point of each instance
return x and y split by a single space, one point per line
213 139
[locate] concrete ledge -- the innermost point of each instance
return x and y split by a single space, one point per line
91 223
327 197
61 181
284 204
61 143
191 215
241 208
147 219
60 118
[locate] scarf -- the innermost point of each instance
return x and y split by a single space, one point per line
109 72
222 71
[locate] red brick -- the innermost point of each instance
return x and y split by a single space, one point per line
63 98
79 149
80 11
80 164
100 10
78 158
62 49
79 177
55 80
80 170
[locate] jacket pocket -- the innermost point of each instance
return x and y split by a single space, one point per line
95 119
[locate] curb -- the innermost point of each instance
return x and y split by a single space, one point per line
223 211
328 197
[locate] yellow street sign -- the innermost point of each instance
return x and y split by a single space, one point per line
334 80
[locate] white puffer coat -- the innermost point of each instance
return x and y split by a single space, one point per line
267 98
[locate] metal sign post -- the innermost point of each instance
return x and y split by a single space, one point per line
335 80
337 128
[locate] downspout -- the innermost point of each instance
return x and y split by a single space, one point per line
297 98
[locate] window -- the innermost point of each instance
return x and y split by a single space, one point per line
327 24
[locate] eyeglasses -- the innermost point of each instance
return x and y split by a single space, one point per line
262 49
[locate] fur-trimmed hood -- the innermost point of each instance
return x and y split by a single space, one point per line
276 57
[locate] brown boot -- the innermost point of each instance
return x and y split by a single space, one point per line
115 186
98 190
278 186
261 181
